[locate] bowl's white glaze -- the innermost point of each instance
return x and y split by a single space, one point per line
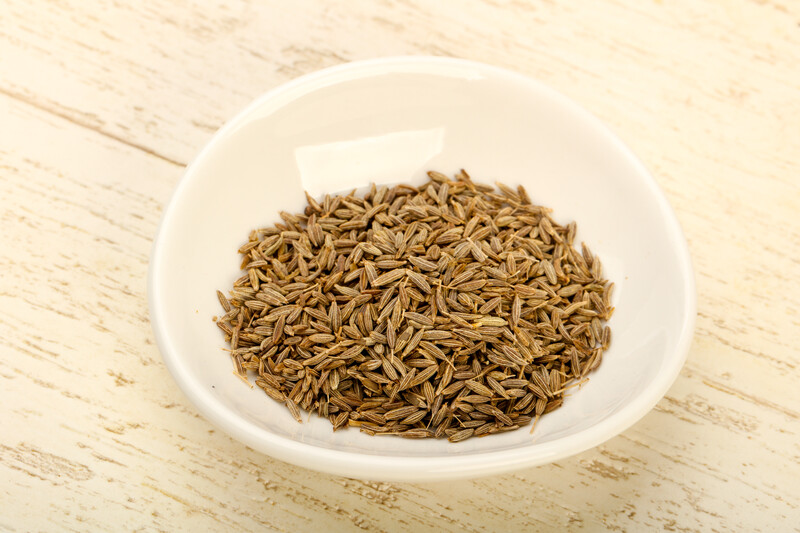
388 121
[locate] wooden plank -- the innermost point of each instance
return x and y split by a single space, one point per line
102 104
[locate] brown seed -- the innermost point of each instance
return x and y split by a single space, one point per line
321 338
516 310
419 280
388 277
416 317
605 337
479 388
334 317
549 271
294 410
413 418
400 412
416 433
419 262
423 375
494 385
490 305
223 301
453 388
461 435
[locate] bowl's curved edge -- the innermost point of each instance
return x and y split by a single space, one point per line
406 468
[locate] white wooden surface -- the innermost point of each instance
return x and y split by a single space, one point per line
103 103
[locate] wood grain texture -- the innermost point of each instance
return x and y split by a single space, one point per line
101 105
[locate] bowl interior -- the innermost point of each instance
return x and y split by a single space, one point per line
389 122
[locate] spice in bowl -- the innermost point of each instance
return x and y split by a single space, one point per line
449 310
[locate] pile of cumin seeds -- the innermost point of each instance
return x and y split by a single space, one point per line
448 310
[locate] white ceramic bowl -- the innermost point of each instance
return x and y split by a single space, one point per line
389 121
